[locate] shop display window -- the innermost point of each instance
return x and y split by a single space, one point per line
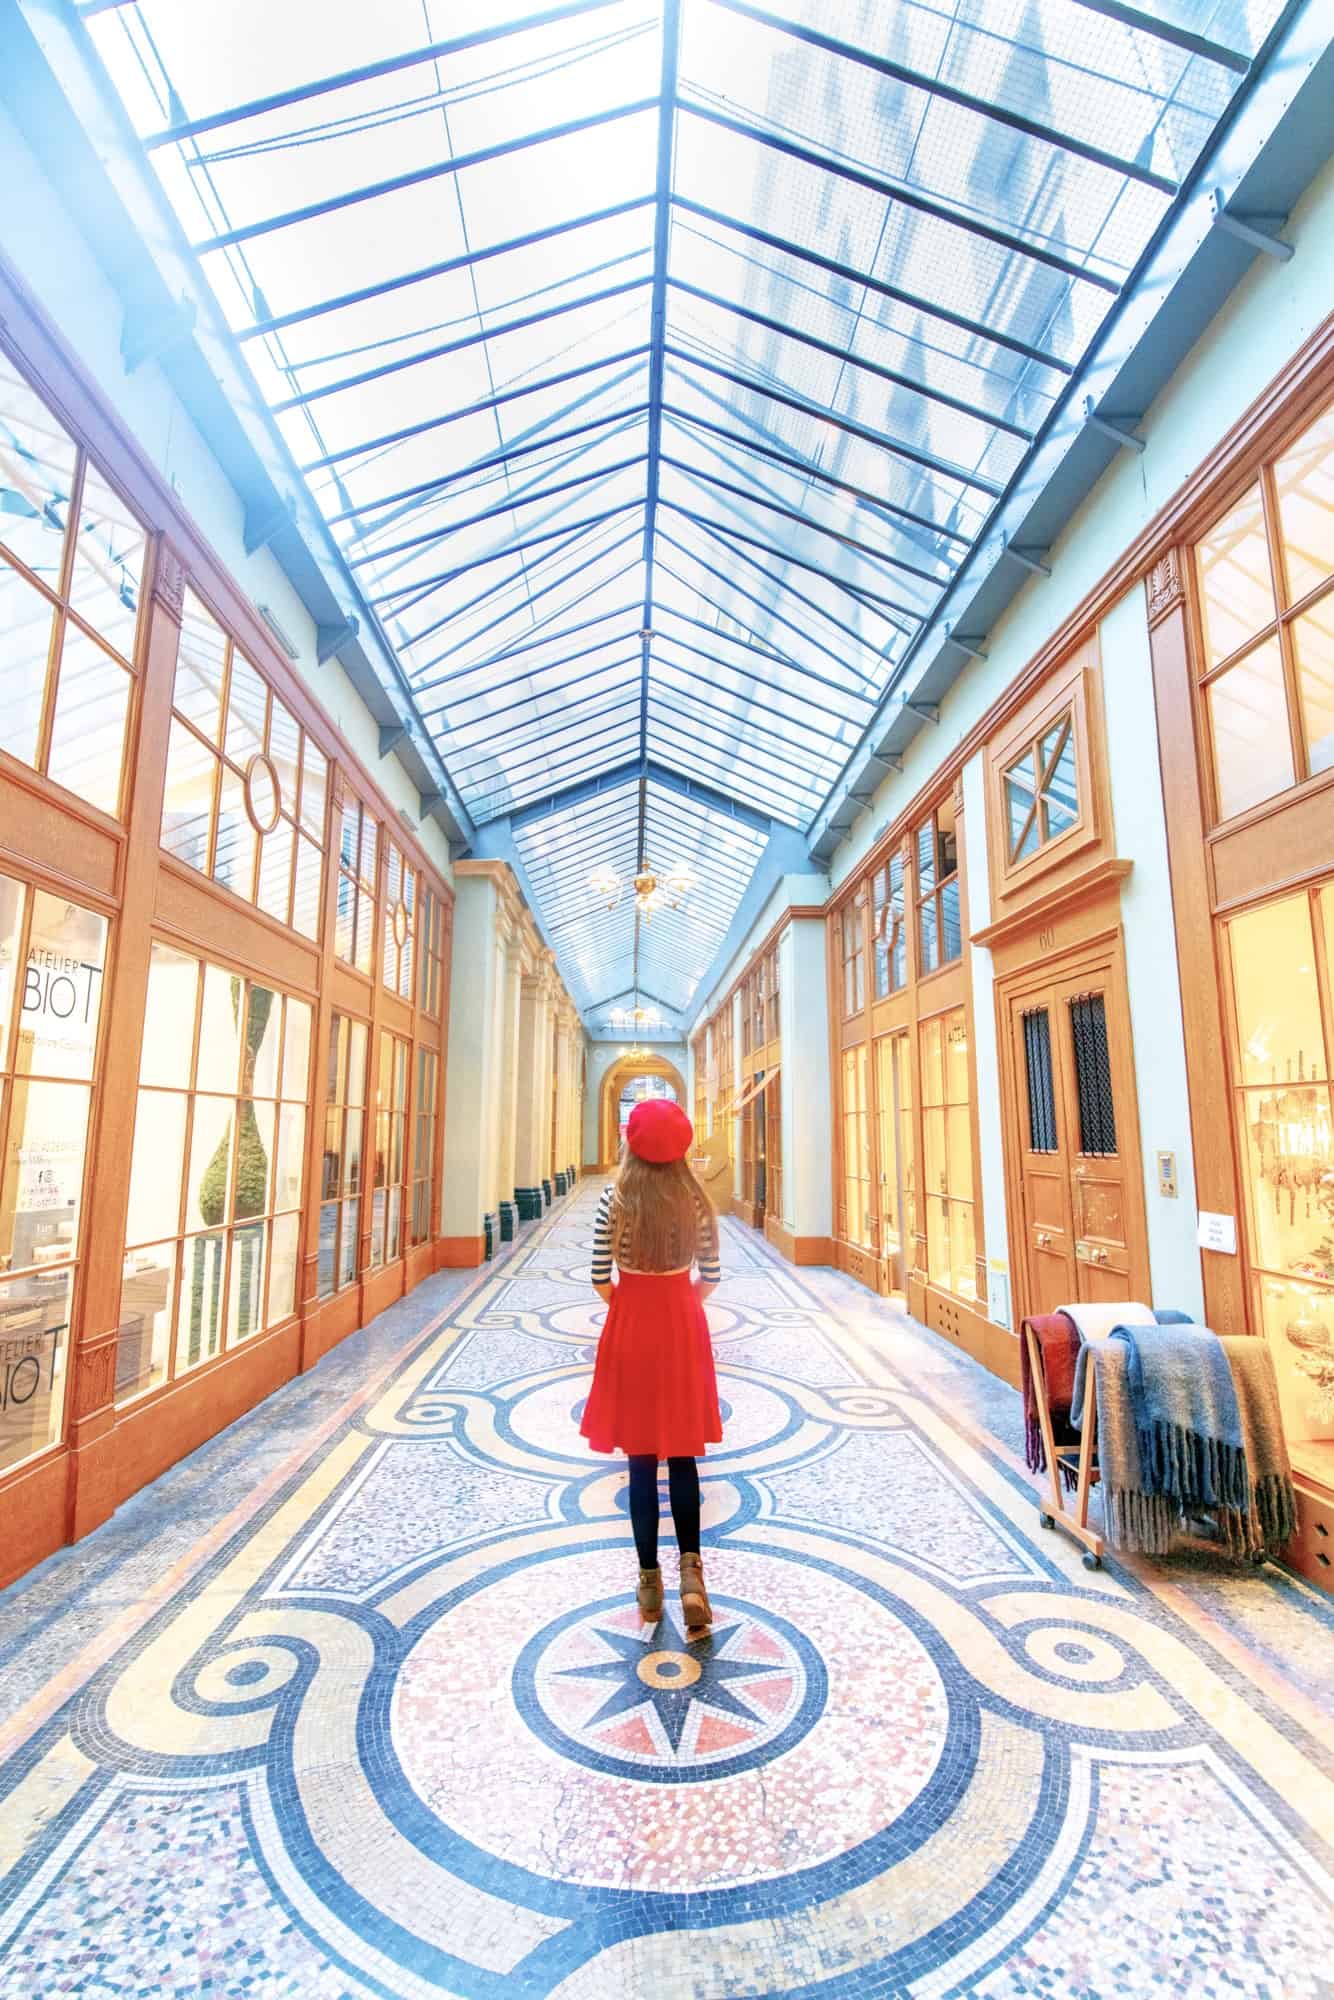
52 960
1042 791
771 1001
246 787
1265 576
400 923
387 1189
889 927
857 1202
853 940
358 874
425 1126
213 1236
947 1163
71 573
939 926
1283 1036
431 952
898 1207
342 1178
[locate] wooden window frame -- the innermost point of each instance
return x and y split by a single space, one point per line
934 894
400 918
363 889
852 957
65 614
886 929
1288 612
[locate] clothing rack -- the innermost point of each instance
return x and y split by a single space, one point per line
1053 1512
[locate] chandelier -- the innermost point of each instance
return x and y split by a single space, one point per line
635 1017
652 892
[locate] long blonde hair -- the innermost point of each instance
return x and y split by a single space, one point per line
657 1211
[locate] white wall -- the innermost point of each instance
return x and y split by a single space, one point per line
1150 944
472 1082
985 1058
40 239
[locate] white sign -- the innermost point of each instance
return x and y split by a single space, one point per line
1218 1232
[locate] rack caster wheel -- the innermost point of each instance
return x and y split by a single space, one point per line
1091 1561
1045 1521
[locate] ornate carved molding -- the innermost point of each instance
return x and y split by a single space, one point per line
169 579
95 1377
1165 587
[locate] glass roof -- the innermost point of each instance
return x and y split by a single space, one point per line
657 365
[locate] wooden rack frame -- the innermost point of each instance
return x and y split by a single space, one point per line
1054 1511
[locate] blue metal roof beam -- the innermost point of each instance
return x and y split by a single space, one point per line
765 606
848 358
759 498
479 409
662 217
806 724
428 585
865 280
507 506
904 195
941 467
524 576
492 461
432 52
538 694
517 652
625 776
1167 31
886 510
935 86
761 651
463 767
883 607
557 582
278 322
375 190
464 341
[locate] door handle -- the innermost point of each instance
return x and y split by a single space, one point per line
1044 1240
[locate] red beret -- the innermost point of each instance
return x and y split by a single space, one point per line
659 1131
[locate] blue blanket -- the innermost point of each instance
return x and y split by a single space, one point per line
1187 1421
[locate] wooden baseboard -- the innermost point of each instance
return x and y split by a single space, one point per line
460 1253
1311 1550
798 1249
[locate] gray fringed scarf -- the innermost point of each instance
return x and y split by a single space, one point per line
1187 1423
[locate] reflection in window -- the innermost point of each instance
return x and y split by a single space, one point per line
891 937
1042 791
246 786
424 1138
431 952
1266 585
358 852
400 923
947 1150
391 1103
213 1236
71 569
858 1210
939 932
52 955
344 1151
852 937
1284 1125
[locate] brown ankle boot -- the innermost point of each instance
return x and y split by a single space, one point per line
695 1606
649 1595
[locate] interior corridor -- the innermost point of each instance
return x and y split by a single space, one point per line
355 1702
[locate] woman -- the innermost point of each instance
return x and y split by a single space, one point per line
654 1392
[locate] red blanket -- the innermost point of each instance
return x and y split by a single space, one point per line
1058 1344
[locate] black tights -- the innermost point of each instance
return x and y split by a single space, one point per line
683 1487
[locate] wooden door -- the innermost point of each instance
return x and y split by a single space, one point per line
1042 1152
761 1156
1077 1143
898 1211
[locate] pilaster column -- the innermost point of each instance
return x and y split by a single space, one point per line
533 1089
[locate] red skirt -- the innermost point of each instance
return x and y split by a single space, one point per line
654 1389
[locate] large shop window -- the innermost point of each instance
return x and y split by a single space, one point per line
391 1105
213 1240
358 872
939 932
71 567
1283 1021
891 938
430 952
425 1117
898 1206
948 1155
246 787
344 1152
853 940
856 1148
1266 581
400 924
52 955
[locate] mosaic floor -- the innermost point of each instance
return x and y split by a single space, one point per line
378 1719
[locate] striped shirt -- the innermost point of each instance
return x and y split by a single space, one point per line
706 1254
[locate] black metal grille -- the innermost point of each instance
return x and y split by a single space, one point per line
1041 1097
1093 1074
